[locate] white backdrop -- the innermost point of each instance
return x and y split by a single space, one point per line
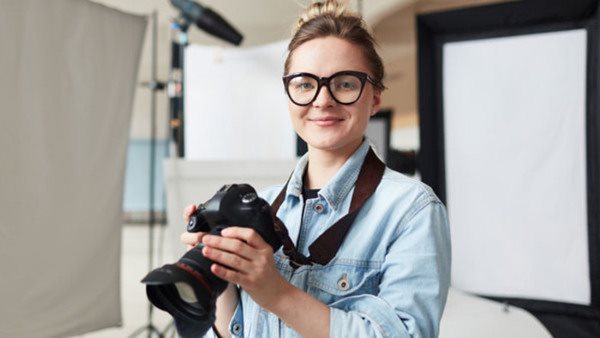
235 104
68 72
516 183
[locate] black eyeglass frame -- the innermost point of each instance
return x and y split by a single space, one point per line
324 81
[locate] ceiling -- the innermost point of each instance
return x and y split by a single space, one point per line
260 21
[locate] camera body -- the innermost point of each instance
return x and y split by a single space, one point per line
239 205
188 289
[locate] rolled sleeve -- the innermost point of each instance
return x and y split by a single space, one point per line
364 316
413 285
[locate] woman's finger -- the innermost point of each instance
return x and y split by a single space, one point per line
233 245
188 211
247 235
226 259
226 273
192 238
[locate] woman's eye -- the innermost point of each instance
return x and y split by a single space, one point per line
304 86
346 85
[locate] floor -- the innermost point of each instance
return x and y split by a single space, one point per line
134 304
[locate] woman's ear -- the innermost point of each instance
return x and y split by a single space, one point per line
376 102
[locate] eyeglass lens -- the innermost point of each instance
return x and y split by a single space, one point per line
345 88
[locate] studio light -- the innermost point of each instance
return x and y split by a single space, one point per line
207 20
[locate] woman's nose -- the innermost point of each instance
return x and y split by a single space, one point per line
324 98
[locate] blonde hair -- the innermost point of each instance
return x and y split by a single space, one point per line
331 18
317 9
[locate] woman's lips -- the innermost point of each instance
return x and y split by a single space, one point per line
326 121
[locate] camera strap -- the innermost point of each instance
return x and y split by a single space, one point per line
324 248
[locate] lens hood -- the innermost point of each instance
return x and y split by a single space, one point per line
191 319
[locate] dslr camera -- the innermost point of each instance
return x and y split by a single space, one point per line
188 289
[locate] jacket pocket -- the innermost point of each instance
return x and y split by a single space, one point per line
333 282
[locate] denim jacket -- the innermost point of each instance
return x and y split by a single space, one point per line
391 275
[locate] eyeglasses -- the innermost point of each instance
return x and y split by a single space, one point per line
345 87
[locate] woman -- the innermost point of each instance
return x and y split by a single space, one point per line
390 275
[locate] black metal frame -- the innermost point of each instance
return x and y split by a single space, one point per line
149 328
508 19
386 116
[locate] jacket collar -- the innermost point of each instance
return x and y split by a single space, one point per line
340 185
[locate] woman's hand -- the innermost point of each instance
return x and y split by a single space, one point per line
244 258
190 239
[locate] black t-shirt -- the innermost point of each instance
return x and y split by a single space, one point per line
309 193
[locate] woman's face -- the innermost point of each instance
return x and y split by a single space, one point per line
325 124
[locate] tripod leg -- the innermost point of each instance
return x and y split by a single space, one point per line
151 329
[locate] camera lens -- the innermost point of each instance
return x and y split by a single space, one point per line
186 292
188 289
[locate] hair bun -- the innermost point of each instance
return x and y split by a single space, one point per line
317 9
330 18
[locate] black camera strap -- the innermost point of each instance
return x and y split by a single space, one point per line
324 248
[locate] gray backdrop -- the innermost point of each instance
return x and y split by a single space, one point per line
68 70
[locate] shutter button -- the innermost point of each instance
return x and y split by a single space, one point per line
343 283
319 208
236 329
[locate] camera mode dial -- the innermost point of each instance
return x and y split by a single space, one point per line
249 198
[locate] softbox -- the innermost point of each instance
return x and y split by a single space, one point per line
509 128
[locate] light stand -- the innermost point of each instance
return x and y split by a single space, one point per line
212 23
175 85
154 86
209 21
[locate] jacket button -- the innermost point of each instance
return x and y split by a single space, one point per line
319 208
343 283
236 329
